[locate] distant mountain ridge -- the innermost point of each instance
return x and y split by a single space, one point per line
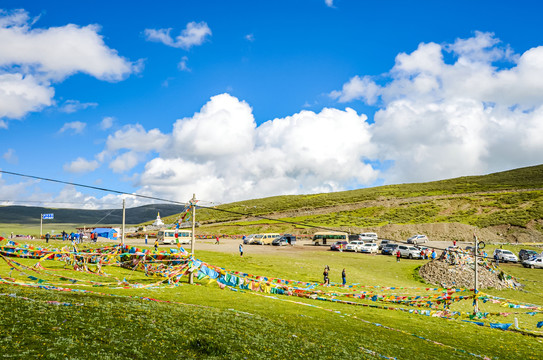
15 214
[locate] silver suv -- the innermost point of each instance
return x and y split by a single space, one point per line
410 252
417 239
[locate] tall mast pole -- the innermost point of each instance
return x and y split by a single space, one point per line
122 237
193 240
475 290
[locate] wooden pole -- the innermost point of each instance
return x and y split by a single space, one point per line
193 240
122 236
475 290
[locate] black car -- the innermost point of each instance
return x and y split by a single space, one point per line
286 239
384 243
526 254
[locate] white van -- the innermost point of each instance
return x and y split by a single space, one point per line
168 237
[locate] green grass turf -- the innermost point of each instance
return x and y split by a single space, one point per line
205 322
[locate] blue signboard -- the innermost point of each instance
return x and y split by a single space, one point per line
47 216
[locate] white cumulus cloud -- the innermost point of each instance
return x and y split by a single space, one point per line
443 110
194 34
33 58
71 106
125 162
442 119
20 94
134 137
183 64
222 155
10 156
107 122
81 165
76 127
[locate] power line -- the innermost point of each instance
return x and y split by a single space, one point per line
185 204
92 187
164 200
15 202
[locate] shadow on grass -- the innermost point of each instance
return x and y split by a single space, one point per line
417 277
206 347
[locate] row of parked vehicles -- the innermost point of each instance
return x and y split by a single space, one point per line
270 239
367 243
528 258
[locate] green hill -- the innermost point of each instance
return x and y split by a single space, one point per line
511 199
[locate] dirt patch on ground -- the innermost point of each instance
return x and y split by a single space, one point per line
461 232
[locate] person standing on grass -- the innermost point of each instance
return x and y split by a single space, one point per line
156 245
344 277
325 275
240 250
47 236
398 255
217 240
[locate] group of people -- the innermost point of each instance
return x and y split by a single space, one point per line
73 237
424 254
326 281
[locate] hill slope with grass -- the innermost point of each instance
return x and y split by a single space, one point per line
506 205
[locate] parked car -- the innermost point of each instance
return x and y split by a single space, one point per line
505 255
339 245
354 245
389 249
383 243
368 236
526 254
533 263
417 239
256 239
248 239
369 248
286 239
353 237
409 252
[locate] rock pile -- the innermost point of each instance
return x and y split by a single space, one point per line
462 276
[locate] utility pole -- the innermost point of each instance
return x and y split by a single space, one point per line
193 240
122 236
475 290
41 225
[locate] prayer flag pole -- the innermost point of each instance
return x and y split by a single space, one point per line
475 291
193 240
122 237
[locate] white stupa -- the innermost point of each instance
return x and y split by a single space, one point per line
158 221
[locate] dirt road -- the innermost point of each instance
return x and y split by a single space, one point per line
231 246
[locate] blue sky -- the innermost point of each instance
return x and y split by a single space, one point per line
248 99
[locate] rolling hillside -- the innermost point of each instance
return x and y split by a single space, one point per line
505 206
508 204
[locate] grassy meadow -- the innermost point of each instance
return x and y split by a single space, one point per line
204 322
34 229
